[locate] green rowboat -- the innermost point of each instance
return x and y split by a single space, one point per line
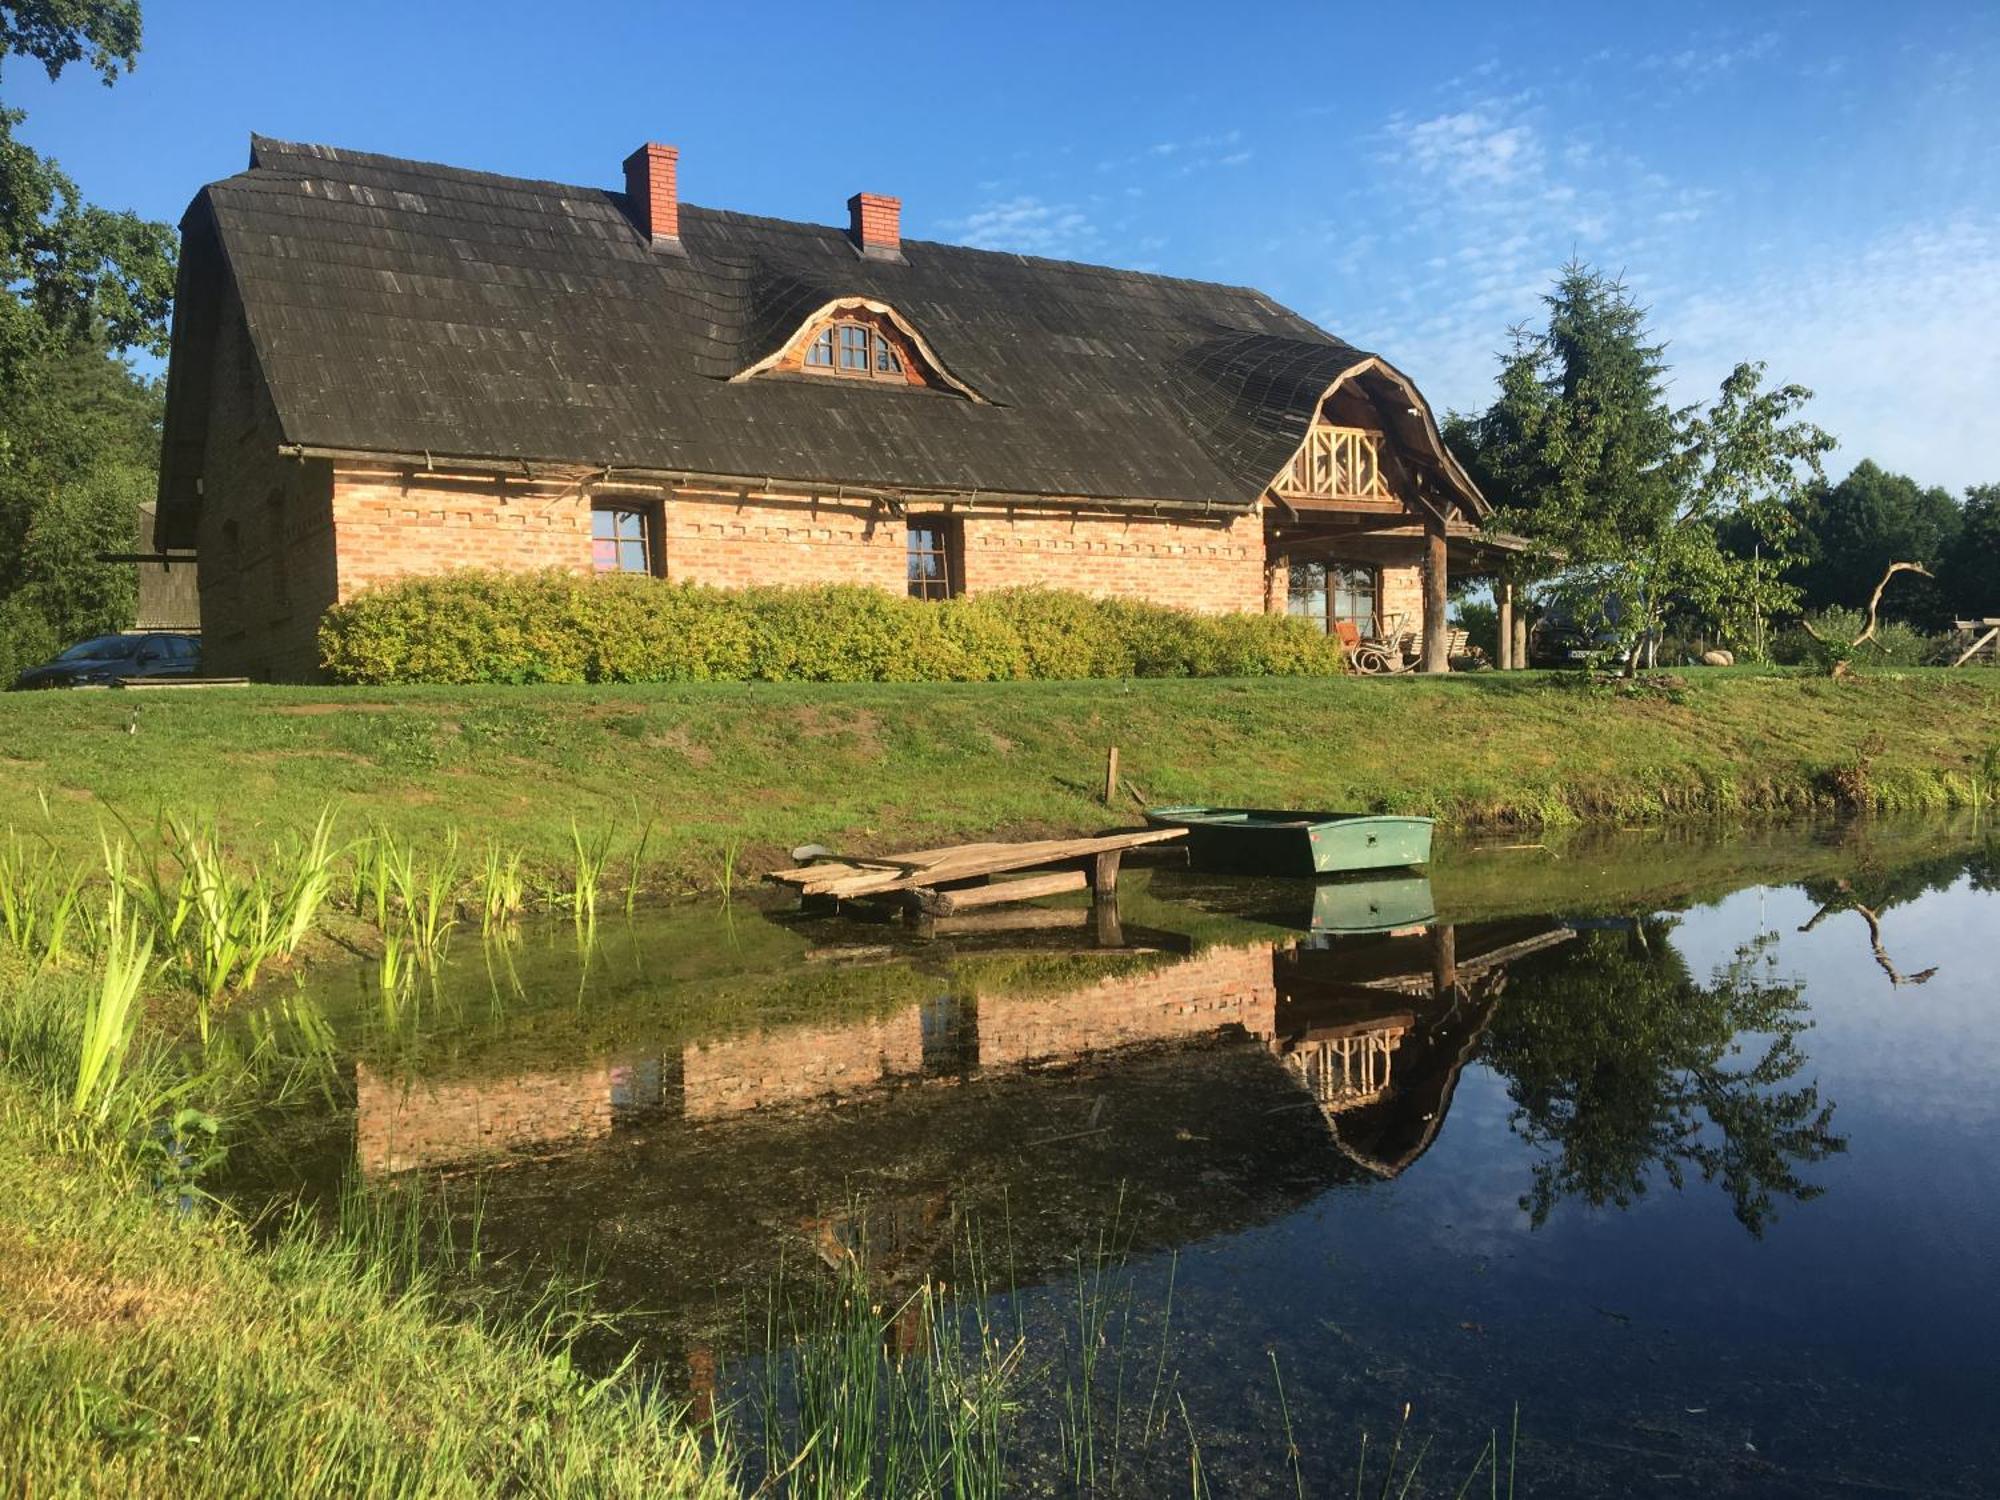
1267 841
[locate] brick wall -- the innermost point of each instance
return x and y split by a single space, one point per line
1221 987
401 1124
1212 567
264 543
391 524
731 543
1402 593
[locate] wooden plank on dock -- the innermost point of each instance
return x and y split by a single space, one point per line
938 903
1027 919
845 879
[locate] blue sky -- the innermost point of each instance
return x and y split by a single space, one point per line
1813 185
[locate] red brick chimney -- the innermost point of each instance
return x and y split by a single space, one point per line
875 224
654 200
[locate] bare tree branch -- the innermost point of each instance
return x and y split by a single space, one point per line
1874 602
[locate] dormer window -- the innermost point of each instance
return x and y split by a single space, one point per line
858 338
856 349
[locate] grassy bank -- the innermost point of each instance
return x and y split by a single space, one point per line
152 1349
726 776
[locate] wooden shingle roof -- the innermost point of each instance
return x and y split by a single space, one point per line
400 307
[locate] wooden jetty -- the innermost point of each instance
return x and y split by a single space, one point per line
960 877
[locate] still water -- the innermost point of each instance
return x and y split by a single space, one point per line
1685 1146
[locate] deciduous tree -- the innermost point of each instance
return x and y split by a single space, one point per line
1625 496
1851 531
82 285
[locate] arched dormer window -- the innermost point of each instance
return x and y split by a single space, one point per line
849 347
858 338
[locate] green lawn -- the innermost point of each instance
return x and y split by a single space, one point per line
730 775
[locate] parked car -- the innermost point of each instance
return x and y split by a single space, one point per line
105 659
1559 639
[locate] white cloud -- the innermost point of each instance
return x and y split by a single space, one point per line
1469 148
1712 57
1030 225
1895 338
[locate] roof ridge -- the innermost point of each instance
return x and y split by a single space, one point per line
343 156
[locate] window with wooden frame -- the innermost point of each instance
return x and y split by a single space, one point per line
623 537
1332 594
854 349
935 552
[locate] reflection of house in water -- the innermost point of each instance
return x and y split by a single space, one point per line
1379 1031
1376 1027
405 1123
1165 1093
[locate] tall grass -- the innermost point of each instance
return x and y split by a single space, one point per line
502 887
969 1393
109 1022
589 857
40 894
217 920
142 1359
857 1397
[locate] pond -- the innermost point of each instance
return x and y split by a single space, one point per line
1685 1147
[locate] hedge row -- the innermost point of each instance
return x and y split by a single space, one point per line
474 626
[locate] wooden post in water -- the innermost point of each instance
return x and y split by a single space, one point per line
1111 777
1444 960
1104 899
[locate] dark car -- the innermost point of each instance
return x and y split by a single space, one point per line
106 659
1560 639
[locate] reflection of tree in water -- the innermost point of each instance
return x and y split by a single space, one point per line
1873 893
1984 867
1619 1063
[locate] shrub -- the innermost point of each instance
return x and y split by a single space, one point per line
1062 635
474 626
1894 643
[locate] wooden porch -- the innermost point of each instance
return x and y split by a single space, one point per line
1371 485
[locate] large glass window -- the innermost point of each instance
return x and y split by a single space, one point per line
933 551
1331 594
621 539
1351 596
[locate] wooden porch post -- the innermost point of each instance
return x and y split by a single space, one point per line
1505 593
1520 641
1436 639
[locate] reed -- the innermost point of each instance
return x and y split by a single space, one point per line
393 968
40 895
860 1397
635 868
725 870
502 887
429 904
109 1021
217 921
588 859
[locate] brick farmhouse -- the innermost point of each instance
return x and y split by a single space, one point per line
383 368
